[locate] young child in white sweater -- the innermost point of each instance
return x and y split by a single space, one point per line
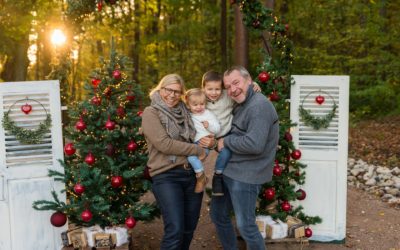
205 124
219 103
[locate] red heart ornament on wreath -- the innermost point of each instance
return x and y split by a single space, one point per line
26 108
320 99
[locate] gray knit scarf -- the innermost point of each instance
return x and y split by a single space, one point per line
176 120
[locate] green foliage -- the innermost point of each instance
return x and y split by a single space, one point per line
114 100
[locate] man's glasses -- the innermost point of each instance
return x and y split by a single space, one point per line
172 91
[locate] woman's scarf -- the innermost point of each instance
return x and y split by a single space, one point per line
176 120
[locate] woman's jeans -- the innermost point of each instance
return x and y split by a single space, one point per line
180 206
241 197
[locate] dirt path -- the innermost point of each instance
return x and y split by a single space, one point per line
371 225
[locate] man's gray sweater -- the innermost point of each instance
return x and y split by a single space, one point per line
253 140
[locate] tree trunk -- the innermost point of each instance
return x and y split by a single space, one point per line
135 46
241 42
266 34
223 37
16 66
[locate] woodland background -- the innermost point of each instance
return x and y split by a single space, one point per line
360 38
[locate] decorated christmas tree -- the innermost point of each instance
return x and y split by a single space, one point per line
105 175
278 196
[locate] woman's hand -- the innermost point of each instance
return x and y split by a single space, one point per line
256 87
207 141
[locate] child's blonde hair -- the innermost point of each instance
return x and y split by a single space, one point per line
195 94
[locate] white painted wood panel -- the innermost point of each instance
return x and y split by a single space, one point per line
324 151
24 168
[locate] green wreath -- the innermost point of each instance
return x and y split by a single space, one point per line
317 122
27 136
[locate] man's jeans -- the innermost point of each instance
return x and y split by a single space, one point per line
241 197
180 206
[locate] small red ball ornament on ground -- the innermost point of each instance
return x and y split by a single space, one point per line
110 125
69 149
26 108
132 146
117 74
286 206
296 154
130 222
301 194
263 77
79 188
320 99
308 232
89 159
58 219
269 193
277 170
116 181
86 215
96 82
80 125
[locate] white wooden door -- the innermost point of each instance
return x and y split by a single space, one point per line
324 151
24 168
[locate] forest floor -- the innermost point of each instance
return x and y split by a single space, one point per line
371 223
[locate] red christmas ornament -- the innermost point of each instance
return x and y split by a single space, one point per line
130 222
287 27
121 111
116 181
288 136
320 99
26 108
110 125
96 100
139 113
79 188
89 159
100 5
80 125
117 74
86 215
132 146
110 150
301 194
263 77
296 154
269 193
58 219
277 171
274 97
286 206
96 82
130 96
69 149
308 232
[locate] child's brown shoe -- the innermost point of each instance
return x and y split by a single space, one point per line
200 183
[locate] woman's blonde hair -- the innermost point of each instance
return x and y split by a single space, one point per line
168 80
196 93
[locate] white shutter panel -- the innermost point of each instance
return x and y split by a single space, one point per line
324 151
24 167
18 154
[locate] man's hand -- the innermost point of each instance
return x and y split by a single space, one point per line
205 124
207 141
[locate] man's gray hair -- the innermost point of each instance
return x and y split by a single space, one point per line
242 71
